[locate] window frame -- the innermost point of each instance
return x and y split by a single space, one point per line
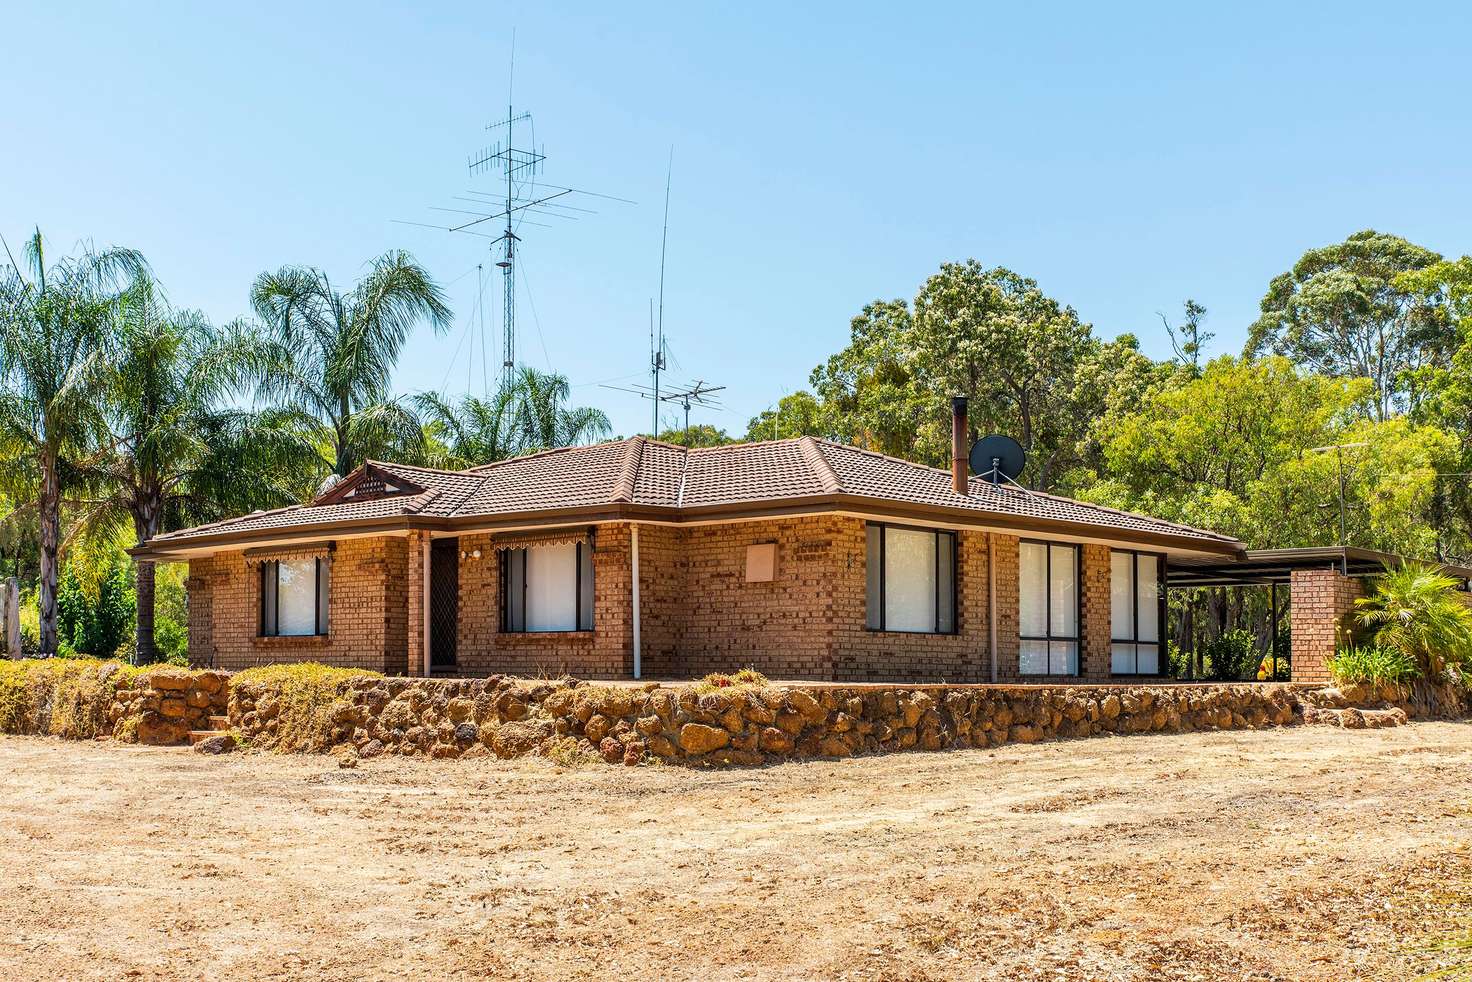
1160 659
883 591
1078 603
318 613
503 570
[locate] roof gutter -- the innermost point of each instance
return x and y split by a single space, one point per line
161 550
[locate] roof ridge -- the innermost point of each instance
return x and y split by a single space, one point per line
812 454
394 465
1041 494
628 472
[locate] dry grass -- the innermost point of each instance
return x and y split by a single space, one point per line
1306 854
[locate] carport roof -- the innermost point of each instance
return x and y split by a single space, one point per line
1264 566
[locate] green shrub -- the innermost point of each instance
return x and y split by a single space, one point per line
1416 611
1232 657
1372 665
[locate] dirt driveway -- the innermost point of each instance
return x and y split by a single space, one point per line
1306 853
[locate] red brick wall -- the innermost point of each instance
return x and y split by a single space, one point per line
1321 605
366 611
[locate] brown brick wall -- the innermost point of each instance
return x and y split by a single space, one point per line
1321 604
606 652
366 617
698 613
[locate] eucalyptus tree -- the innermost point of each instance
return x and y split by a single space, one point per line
336 352
54 346
176 450
1343 311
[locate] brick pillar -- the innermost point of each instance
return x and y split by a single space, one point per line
1321 602
418 568
1095 628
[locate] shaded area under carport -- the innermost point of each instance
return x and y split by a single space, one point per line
1323 583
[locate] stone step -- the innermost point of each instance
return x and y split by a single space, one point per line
195 736
220 723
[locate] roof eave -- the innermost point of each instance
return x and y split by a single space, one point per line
736 510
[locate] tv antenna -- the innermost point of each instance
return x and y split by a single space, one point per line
697 393
519 164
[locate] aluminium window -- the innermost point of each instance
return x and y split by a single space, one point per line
911 580
294 597
1136 612
547 588
1048 608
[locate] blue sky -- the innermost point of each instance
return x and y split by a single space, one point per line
823 157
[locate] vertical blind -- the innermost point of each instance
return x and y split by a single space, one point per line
1047 593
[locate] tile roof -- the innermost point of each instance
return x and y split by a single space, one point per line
651 475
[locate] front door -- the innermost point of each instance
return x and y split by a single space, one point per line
444 603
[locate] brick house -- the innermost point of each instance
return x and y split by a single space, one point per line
803 558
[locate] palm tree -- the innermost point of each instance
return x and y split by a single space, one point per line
474 430
541 419
53 353
336 355
175 453
1416 611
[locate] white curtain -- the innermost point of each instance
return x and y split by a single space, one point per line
296 585
551 588
1148 598
909 580
1032 591
1063 588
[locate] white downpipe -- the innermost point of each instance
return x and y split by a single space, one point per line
424 605
634 570
991 601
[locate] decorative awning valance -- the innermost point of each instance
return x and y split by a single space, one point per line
300 550
543 537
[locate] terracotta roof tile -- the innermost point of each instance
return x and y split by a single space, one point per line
649 473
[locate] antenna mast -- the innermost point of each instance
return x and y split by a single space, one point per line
523 195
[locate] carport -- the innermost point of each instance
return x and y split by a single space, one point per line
1323 584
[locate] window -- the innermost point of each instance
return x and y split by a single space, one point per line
547 588
1135 602
1048 607
294 597
912 580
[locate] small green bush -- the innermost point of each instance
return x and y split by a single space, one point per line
747 678
1372 665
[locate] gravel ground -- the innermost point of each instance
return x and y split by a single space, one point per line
1297 854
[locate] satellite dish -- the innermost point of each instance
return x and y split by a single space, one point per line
998 458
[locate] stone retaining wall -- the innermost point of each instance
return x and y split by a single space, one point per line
87 698
505 717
